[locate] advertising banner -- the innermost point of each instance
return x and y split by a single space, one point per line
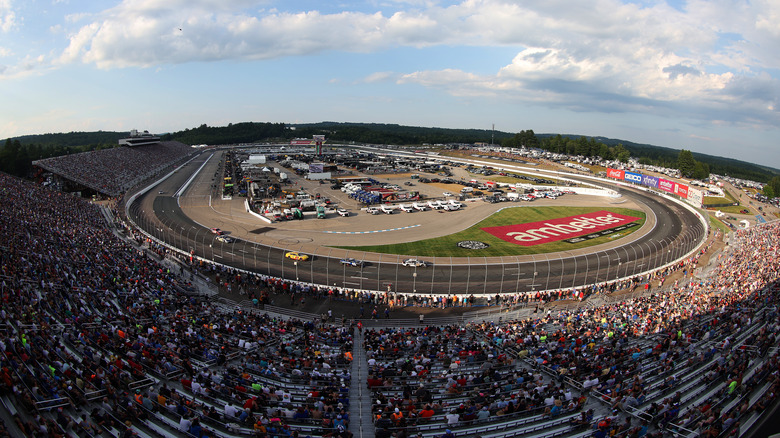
614 173
695 197
681 190
666 185
553 230
633 177
650 181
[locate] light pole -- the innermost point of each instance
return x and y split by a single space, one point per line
296 270
414 280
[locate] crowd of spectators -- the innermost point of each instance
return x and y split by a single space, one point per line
97 335
113 171
91 328
432 378
633 353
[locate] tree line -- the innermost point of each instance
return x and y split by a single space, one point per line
17 154
16 158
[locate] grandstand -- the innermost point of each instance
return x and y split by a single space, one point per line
111 172
102 336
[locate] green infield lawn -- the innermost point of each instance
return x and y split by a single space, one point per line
446 246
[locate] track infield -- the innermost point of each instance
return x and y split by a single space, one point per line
447 246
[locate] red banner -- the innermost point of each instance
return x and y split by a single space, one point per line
614 173
681 190
666 185
536 233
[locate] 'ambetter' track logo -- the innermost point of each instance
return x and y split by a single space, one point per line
536 233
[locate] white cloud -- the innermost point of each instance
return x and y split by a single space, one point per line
380 76
7 16
604 55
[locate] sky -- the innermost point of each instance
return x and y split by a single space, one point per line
696 75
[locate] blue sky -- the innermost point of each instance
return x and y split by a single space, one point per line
699 75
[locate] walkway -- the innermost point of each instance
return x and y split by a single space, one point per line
360 421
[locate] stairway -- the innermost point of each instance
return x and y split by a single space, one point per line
360 422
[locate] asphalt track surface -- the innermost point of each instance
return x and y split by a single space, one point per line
674 232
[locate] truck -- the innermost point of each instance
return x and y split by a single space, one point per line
386 209
320 212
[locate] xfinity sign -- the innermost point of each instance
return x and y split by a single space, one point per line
649 181
536 233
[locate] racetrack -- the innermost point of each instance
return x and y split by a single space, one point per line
669 232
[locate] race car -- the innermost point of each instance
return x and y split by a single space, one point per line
295 255
414 263
352 262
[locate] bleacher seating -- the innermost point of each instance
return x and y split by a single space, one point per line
98 338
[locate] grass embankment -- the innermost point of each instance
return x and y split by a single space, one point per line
717 223
446 246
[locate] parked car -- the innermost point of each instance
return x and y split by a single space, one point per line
295 255
343 212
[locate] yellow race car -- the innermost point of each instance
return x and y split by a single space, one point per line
295 255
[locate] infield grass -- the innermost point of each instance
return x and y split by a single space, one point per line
446 246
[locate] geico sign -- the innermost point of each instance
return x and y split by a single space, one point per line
536 233
633 177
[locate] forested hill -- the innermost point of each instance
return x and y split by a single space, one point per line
16 153
667 157
73 139
380 133
233 133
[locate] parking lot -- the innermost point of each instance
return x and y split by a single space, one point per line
361 227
